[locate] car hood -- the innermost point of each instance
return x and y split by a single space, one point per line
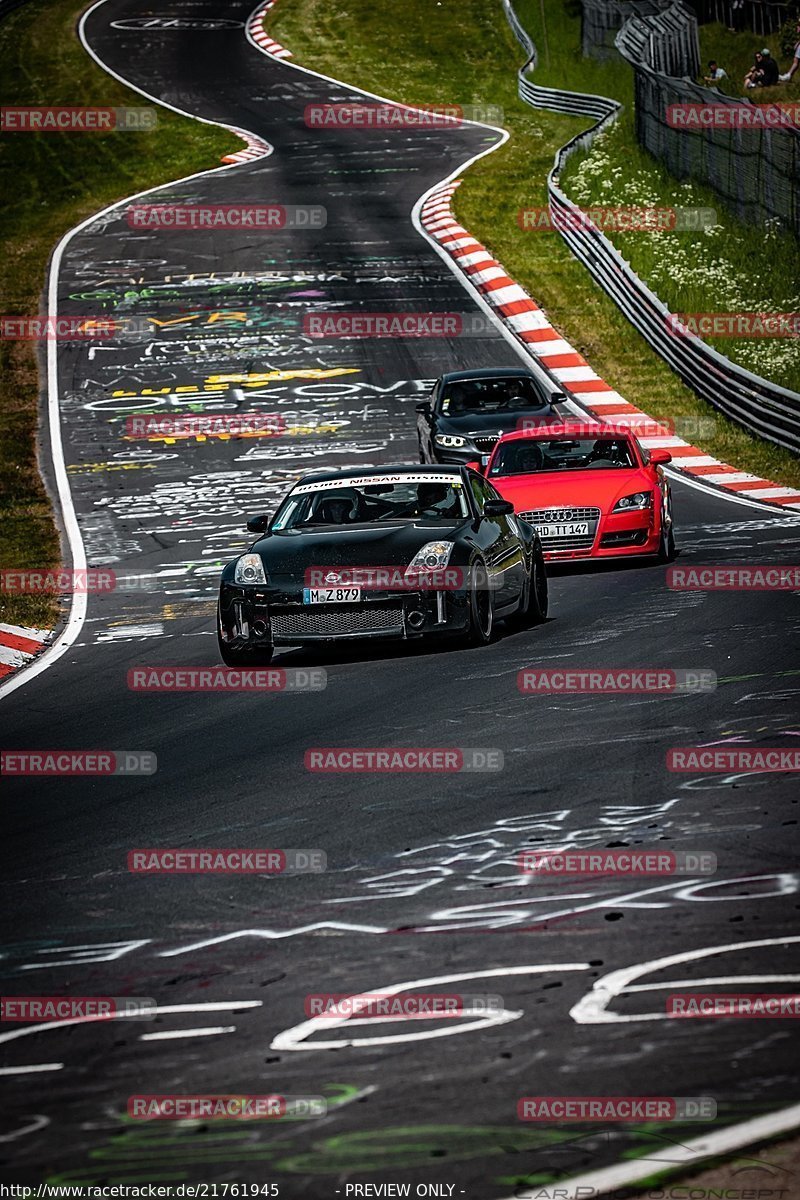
373 545
488 423
598 489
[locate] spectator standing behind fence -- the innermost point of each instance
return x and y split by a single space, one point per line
795 58
715 73
737 16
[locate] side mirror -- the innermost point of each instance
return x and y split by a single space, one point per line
424 407
557 397
660 458
258 524
475 466
498 508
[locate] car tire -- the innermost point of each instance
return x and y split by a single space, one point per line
481 610
535 600
666 543
247 656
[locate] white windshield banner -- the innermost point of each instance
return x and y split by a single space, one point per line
358 481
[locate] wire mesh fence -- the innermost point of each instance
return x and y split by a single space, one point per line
758 16
748 154
758 404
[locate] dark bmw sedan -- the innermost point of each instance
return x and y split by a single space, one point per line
467 412
389 552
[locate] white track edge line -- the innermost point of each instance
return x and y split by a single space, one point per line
725 1141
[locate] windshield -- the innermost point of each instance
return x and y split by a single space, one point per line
542 454
505 394
334 503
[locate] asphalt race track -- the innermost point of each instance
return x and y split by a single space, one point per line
422 883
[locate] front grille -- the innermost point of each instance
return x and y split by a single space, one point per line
330 621
558 516
561 516
485 443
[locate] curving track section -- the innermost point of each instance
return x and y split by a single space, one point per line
421 883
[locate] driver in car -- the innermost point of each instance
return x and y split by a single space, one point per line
336 510
529 459
433 500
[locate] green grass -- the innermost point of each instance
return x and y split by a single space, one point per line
51 181
462 51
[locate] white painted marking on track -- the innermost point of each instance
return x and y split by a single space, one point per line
295 1038
272 934
166 1035
592 1009
37 1121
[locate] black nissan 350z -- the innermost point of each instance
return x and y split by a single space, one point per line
391 552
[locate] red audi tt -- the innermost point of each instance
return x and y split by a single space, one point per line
590 490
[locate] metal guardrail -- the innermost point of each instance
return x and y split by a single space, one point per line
760 406
601 20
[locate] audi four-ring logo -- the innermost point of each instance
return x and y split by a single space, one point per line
556 514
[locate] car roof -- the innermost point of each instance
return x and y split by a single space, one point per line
567 429
331 473
489 373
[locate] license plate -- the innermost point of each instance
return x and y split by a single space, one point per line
331 595
574 529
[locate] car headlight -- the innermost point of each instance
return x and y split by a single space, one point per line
450 439
250 569
635 500
434 556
